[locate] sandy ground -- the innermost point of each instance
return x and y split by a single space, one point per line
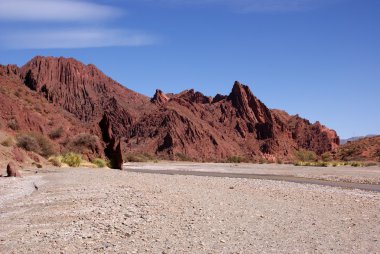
345 174
109 211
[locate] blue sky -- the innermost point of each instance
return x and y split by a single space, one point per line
317 58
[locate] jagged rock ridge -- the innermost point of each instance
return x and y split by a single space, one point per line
186 124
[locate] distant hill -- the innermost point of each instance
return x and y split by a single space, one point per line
345 141
362 149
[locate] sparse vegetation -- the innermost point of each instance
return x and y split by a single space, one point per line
28 143
326 156
136 157
234 159
100 163
334 164
182 157
56 133
72 159
36 143
56 161
348 153
38 165
46 147
84 142
312 164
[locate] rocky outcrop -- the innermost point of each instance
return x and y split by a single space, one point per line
49 93
363 149
112 143
80 89
12 170
159 98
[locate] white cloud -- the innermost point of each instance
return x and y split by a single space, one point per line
74 38
55 10
52 24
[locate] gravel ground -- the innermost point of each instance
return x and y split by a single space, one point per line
108 211
367 175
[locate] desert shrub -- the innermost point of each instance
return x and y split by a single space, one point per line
46 147
305 155
84 142
13 124
326 156
311 164
36 143
370 164
37 165
28 143
356 164
234 159
72 159
322 164
139 157
8 142
348 153
56 133
56 161
377 154
182 157
100 163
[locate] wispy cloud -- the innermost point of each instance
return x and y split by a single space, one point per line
255 5
55 10
52 24
74 38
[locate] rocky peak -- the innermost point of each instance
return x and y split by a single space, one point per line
247 105
80 89
196 97
159 97
9 70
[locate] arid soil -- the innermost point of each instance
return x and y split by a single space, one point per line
109 211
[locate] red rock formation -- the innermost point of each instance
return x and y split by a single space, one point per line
215 129
159 98
47 92
364 149
12 170
82 90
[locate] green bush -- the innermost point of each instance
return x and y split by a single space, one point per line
56 133
72 159
304 155
99 162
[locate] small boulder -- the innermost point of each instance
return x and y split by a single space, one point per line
12 170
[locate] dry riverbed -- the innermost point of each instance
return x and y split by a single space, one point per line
96 210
